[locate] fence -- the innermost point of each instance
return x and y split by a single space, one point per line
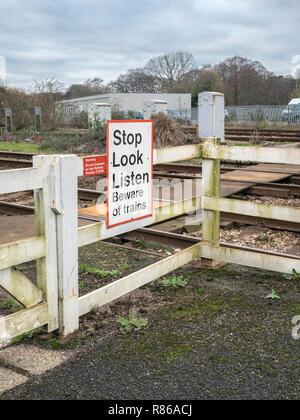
210 248
253 113
256 113
54 301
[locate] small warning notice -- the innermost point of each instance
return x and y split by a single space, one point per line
94 165
130 171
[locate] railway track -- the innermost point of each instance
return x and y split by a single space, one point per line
271 135
13 209
176 240
247 134
181 172
16 159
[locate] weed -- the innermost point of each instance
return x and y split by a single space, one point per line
9 304
26 336
272 295
174 282
131 322
25 268
262 237
293 276
100 273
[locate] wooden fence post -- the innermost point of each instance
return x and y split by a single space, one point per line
59 223
45 225
211 188
66 206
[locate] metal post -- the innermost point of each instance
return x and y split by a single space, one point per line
7 131
36 112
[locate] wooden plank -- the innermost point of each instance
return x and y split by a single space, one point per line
249 258
21 180
175 154
21 251
254 177
22 322
289 214
252 154
228 188
135 280
291 169
98 231
20 288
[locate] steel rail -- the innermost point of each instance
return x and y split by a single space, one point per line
184 241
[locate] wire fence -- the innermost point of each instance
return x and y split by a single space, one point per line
183 114
283 114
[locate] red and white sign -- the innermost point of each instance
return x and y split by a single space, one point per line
129 171
94 165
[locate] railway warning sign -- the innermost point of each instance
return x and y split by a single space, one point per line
94 165
129 171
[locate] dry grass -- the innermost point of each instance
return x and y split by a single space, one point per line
166 131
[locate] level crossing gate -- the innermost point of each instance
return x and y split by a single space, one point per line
54 300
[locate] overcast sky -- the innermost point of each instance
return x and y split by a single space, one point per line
74 40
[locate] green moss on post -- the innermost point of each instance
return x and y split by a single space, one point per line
211 188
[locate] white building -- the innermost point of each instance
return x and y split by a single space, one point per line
178 104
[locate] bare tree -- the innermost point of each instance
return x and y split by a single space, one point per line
135 81
46 93
88 88
170 69
244 79
20 102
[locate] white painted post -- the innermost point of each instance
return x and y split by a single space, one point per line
45 224
65 204
58 273
211 188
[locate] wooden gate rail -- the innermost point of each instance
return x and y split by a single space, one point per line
212 153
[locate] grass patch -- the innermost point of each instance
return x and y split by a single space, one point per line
173 281
84 268
10 304
22 268
197 310
22 147
155 345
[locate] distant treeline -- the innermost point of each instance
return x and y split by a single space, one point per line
242 80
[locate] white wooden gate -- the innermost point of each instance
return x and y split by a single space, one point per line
54 301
